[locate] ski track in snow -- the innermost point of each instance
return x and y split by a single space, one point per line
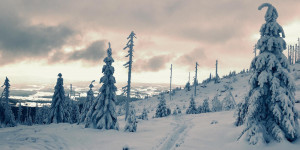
176 137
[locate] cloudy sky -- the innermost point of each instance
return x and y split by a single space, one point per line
39 39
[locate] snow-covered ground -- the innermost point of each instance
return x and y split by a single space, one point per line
173 132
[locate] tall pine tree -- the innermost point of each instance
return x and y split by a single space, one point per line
9 119
268 111
60 110
102 113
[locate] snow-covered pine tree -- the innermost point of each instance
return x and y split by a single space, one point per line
216 104
144 115
75 114
162 110
187 86
192 108
19 113
88 102
270 112
45 114
228 101
102 113
59 110
205 106
28 120
9 119
131 123
38 119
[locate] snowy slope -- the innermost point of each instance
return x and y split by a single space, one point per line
173 132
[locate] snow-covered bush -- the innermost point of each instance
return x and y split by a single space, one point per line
270 112
177 110
192 108
102 113
216 104
131 123
59 110
162 110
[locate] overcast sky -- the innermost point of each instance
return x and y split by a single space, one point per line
39 39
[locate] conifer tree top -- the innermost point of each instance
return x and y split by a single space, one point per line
91 85
271 14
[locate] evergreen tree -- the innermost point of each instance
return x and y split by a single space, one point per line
228 101
60 110
102 113
187 86
192 108
144 115
205 106
8 119
162 110
75 114
19 113
38 119
216 104
270 112
88 102
28 120
131 123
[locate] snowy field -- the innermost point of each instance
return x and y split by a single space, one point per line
180 132
173 132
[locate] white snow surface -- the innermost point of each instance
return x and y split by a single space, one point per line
209 131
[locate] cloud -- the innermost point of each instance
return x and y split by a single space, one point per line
153 64
190 58
91 55
20 40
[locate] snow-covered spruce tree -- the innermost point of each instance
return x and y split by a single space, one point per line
28 120
205 106
192 108
19 113
74 111
38 119
216 104
131 123
88 102
59 110
102 113
228 101
144 115
9 119
187 86
162 110
270 112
